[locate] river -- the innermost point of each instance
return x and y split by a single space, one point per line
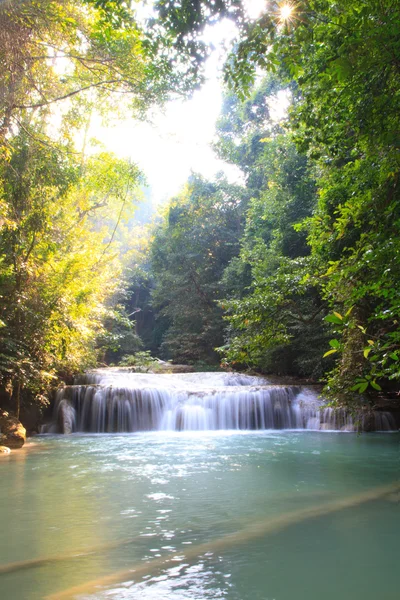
256 515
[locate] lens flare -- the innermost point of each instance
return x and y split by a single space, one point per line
286 12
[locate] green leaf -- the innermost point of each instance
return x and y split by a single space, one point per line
376 386
357 387
394 356
333 319
349 311
334 343
366 352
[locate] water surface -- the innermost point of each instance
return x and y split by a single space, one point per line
136 501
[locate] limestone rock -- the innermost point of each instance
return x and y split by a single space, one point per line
348 428
368 421
12 432
66 417
325 427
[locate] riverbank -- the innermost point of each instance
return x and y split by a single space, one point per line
15 454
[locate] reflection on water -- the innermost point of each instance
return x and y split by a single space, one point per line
183 582
167 506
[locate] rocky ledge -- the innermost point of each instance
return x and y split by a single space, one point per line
12 432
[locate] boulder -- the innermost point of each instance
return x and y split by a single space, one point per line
12 432
31 417
368 421
66 417
325 427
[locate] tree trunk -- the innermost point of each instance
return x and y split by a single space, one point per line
18 400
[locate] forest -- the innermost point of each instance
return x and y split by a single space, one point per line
294 271
199 299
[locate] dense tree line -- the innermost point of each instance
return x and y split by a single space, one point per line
198 238
295 271
317 271
263 306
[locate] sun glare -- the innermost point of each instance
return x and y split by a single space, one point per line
286 12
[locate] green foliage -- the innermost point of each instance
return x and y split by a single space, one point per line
59 266
243 128
191 248
314 232
64 217
377 358
354 234
272 302
118 337
142 361
344 58
86 53
322 228
178 26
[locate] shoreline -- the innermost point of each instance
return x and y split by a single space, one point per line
19 453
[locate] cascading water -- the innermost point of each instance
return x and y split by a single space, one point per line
115 400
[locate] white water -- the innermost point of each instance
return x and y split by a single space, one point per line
112 400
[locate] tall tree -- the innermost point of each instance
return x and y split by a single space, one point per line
276 322
59 211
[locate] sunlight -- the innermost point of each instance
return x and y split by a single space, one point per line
286 12
255 8
178 139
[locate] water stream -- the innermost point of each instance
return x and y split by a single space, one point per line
115 400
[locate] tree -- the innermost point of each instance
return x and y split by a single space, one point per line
243 128
178 26
342 60
344 57
191 248
90 52
276 324
61 212
58 264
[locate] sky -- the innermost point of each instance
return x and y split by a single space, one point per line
178 141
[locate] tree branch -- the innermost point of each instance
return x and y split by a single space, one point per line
69 95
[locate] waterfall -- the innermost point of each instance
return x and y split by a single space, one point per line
116 400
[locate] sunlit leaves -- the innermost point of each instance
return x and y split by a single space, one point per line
75 53
60 257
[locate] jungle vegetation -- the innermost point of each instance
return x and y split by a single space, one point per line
294 271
